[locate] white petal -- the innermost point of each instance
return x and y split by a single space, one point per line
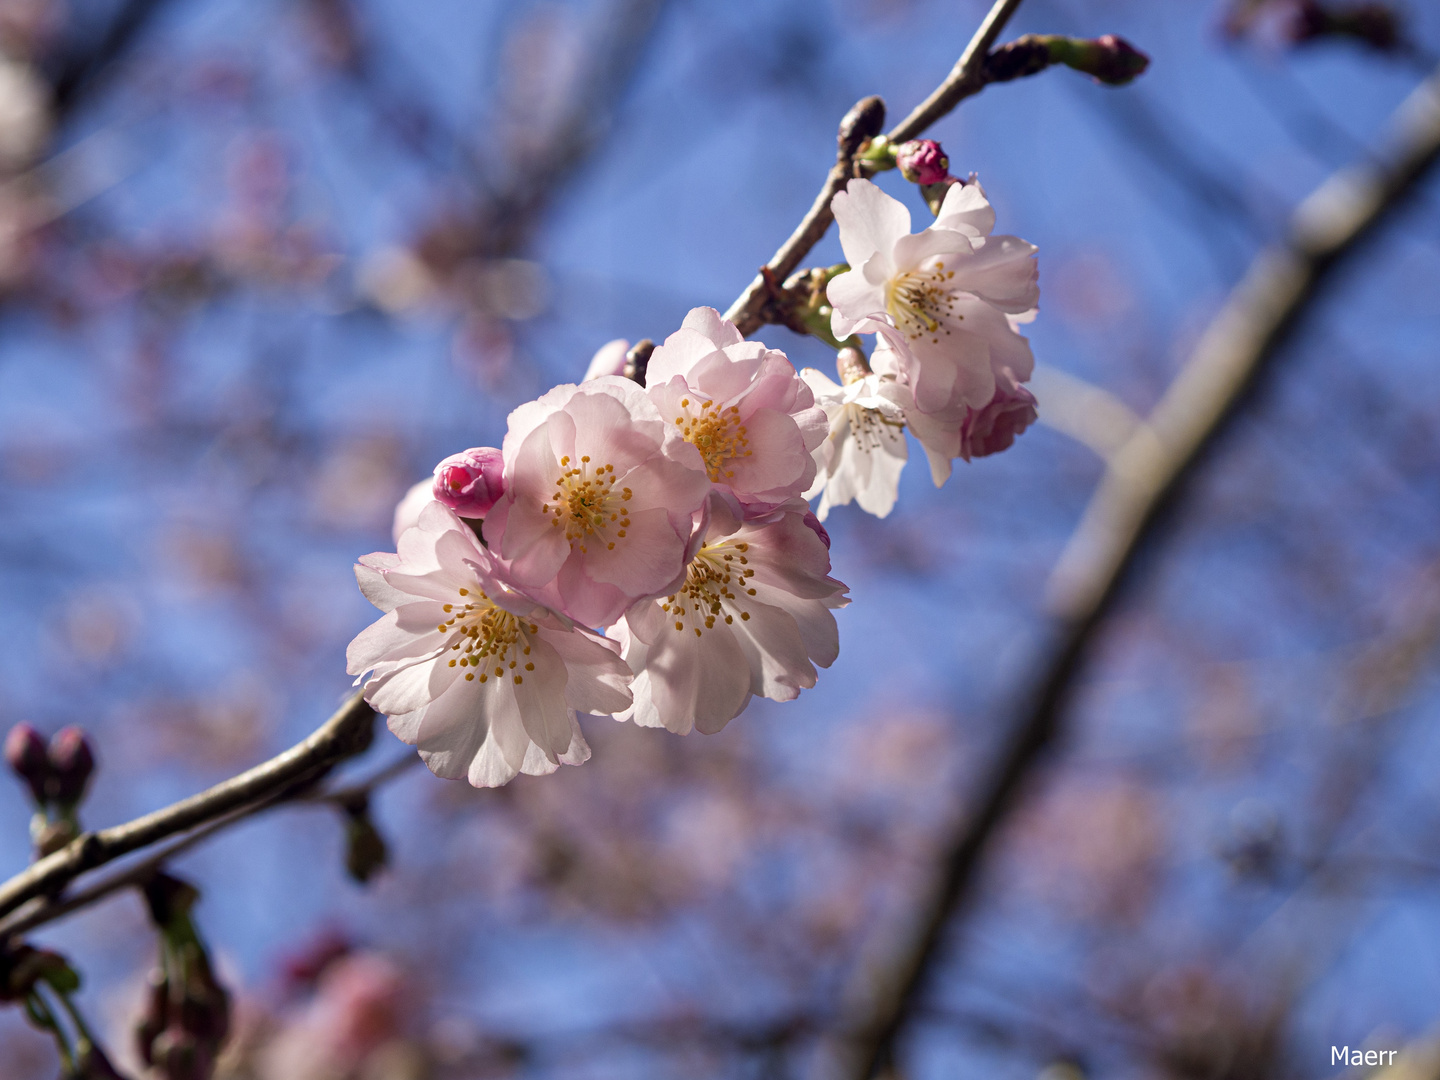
870 221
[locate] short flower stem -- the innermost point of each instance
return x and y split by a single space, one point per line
43 1017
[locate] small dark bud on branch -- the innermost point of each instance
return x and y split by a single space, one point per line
637 360
26 756
1108 59
365 852
864 121
71 764
1024 56
22 966
152 1021
187 1018
1112 60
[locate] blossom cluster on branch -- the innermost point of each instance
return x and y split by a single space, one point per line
643 546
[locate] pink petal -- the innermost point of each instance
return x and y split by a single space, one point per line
540 698
599 681
965 208
870 221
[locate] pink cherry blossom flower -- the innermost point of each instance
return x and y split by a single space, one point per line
753 616
946 291
864 453
960 431
609 359
470 482
485 681
599 499
742 406
995 427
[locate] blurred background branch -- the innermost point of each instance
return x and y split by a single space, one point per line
1142 481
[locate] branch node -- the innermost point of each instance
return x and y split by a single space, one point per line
863 122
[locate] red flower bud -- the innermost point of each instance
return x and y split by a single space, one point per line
25 754
471 482
921 161
71 763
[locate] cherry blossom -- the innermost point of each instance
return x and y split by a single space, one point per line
742 406
861 458
994 428
484 680
753 616
947 291
599 499
959 431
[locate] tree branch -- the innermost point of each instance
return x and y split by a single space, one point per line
78 73
966 79
345 734
1143 479
44 909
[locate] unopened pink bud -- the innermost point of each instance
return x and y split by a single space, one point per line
471 482
921 161
71 763
994 428
25 754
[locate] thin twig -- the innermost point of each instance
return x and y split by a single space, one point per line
42 910
362 789
345 734
1142 480
966 79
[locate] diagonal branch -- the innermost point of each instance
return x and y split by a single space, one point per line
966 79
1144 478
344 735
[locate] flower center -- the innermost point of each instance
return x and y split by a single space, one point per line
586 503
717 433
709 592
868 427
919 301
486 636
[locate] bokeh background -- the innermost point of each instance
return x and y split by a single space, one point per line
263 262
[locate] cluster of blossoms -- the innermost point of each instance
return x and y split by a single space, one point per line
648 551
